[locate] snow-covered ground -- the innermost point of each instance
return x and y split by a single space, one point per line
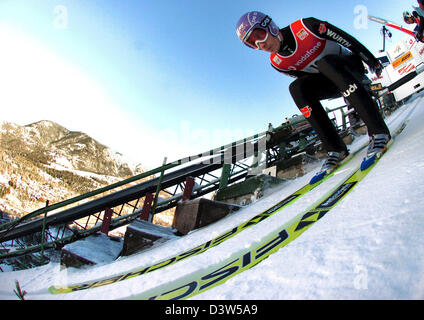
369 247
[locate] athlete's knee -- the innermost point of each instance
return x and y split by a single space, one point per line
294 86
298 92
298 88
342 65
329 61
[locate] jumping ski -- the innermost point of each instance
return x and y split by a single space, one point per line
56 289
213 276
296 226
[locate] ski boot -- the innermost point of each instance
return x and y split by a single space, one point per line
330 164
377 146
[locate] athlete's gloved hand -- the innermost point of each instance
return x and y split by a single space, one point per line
418 36
377 69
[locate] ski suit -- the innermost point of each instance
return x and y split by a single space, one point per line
327 63
419 29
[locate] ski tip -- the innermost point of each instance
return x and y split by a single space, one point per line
58 290
368 162
318 177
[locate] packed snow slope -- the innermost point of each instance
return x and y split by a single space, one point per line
370 246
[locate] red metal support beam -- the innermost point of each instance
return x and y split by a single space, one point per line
188 190
106 221
147 206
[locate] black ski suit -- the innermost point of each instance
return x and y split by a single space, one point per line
327 63
419 29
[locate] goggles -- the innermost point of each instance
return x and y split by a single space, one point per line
254 37
409 20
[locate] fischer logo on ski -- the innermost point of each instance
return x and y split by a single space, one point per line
219 274
238 262
200 249
337 195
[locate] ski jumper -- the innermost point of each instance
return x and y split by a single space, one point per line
419 20
327 63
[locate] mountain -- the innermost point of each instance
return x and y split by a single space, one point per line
45 161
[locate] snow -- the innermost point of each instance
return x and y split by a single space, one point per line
368 247
154 230
98 249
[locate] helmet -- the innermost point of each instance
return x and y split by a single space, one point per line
407 17
255 20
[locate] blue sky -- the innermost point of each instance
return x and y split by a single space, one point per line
156 78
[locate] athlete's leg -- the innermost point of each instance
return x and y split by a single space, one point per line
346 72
307 91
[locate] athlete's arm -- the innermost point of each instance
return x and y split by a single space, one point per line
420 30
330 32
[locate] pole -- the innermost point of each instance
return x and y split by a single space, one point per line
157 190
43 231
384 38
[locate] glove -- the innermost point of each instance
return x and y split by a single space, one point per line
377 69
418 36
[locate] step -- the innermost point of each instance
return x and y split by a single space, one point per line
248 191
95 249
194 214
141 235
